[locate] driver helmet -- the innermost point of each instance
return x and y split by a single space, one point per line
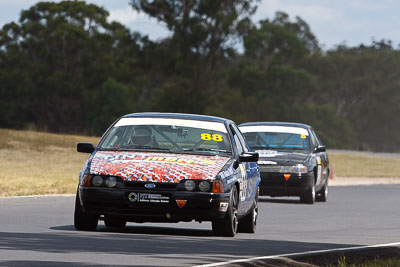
142 135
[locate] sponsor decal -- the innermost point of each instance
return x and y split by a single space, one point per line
205 125
156 167
231 180
181 203
153 198
319 170
223 206
267 162
133 197
267 153
209 137
323 172
286 176
226 173
149 186
175 160
273 129
147 198
319 174
243 182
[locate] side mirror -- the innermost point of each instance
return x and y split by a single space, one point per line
320 149
85 147
249 157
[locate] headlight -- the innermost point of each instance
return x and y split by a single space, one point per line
204 186
97 180
190 185
111 182
299 168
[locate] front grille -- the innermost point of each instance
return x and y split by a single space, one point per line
158 186
270 168
269 179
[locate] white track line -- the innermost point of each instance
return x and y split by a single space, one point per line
298 254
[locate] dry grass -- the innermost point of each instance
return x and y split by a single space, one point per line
389 262
34 163
355 165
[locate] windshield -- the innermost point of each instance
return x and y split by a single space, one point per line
169 135
278 139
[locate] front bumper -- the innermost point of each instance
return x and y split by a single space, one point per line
275 184
199 206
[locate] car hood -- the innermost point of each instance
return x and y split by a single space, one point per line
273 157
156 167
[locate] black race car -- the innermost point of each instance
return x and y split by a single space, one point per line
160 167
293 161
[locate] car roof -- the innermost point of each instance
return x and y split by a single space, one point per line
276 123
176 116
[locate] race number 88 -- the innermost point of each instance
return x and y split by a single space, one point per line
209 137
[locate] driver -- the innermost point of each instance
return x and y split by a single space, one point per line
143 136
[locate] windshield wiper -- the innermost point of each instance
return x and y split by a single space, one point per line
206 150
151 147
259 147
138 147
292 148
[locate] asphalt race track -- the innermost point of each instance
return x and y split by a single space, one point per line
39 232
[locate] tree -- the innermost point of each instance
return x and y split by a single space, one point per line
202 32
204 27
59 56
362 84
279 40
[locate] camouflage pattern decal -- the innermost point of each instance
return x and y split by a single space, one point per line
156 167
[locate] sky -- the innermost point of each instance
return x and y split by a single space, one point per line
334 22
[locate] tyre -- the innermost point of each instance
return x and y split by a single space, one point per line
82 220
249 223
228 225
308 197
323 194
114 221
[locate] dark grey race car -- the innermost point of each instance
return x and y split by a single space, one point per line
293 161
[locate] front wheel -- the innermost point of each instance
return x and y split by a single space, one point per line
249 223
82 220
229 224
308 197
323 194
